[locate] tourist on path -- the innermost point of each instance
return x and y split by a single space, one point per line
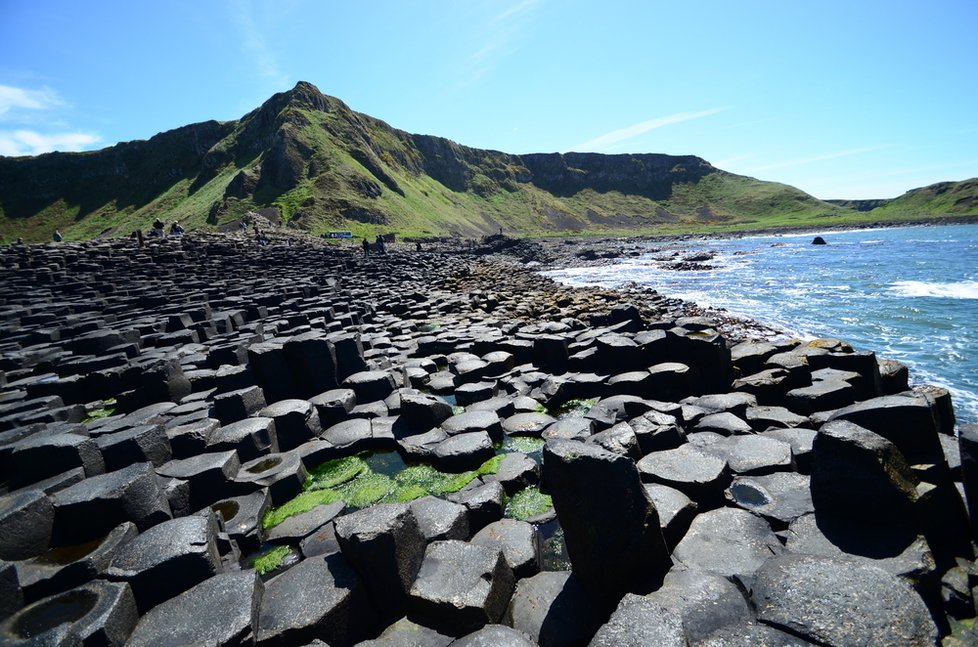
366 247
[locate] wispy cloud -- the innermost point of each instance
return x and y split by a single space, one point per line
606 141
801 161
14 100
29 142
501 40
255 44
45 130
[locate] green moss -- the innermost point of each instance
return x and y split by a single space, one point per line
527 503
271 560
524 444
335 472
406 493
574 408
97 414
454 482
302 503
366 489
491 466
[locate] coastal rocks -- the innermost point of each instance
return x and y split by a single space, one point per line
26 522
221 610
839 601
460 587
593 488
385 546
389 440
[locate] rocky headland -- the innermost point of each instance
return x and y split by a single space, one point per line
205 440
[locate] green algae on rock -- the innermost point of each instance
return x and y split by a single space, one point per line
271 560
527 503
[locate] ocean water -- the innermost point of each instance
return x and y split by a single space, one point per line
908 293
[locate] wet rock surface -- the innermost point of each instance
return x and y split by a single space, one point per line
443 447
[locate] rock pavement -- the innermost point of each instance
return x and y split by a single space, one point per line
204 440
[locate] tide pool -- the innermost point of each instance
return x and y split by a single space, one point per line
908 293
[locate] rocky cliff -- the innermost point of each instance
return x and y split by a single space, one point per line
315 164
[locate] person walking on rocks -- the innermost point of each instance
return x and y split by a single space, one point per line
57 237
380 245
158 228
366 247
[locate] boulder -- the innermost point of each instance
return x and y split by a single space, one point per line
696 473
405 633
860 475
168 559
385 545
592 489
92 508
779 498
840 601
460 587
728 542
440 518
44 456
222 610
640 621
296 422
95 613
250 438
26 523
553 608
704 602
495 636
320 597
66 567
909 422
210 475
519 542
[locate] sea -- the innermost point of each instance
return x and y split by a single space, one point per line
906 293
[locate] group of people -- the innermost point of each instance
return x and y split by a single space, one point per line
380 245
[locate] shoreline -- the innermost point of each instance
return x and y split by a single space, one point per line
183 389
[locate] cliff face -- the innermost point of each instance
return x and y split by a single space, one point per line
318 165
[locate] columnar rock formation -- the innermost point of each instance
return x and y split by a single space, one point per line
205 440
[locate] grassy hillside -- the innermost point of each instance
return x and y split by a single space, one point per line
307 161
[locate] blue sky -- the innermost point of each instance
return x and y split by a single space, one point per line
843 99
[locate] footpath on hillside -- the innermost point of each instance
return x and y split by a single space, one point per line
206 440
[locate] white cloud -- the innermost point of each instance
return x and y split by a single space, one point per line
29 142
604 142
13 100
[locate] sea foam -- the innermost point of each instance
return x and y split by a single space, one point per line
955 290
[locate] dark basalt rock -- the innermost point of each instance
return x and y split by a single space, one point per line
460 587
704 602
440 518
92 508
860 475
168 559
96 613
222 610
66 567
594 488
519 542
320 597
386 547
554 609
840 601
495 636
405 632
728 542
640 621
26 522
40 457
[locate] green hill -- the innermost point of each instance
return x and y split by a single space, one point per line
306 160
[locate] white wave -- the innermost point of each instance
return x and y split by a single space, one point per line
956 290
